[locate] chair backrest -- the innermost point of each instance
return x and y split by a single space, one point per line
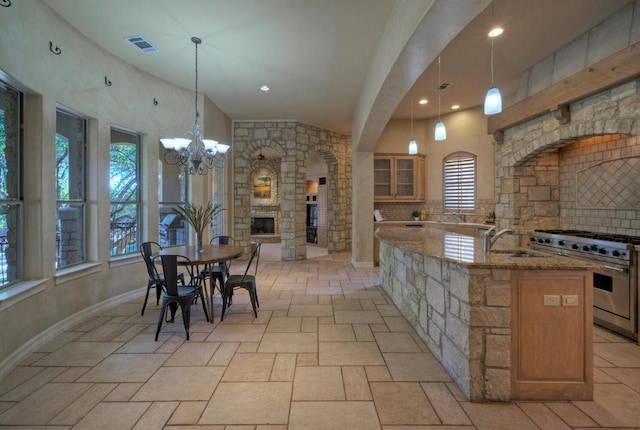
255 254
147 249
223 240
170 270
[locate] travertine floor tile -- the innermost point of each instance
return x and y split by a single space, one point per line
79 354
318 383
249 403
249 367
289 342
358 317
333 416
542 416
402 403
445 404
187 412
571 414
396 342
619 354
284 325
125 368
614 405
349 354
356 386
498 416
419 366
284 367
113 416
336 333
180 383
310 310
193 354
237 333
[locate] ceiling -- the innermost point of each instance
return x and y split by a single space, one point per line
314 54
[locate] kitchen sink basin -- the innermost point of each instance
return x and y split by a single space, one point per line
518 254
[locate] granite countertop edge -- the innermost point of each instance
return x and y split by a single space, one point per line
466 250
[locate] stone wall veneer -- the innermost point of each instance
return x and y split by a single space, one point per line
531 160
293 140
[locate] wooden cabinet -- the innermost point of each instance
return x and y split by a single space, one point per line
398 178
551 339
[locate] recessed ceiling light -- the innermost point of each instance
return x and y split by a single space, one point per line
423 101
454 107
264 88
495 32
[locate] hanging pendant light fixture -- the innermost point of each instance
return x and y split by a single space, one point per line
440 131
493 99
196 154
413 145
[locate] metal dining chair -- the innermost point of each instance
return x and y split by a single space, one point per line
246 281
147 250
217 274
175 295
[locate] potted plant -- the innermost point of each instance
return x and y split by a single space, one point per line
199 217
416 215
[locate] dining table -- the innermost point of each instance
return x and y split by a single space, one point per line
209 255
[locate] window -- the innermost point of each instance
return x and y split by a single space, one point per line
172 192
11 213
70 189
217 198
124 187
460 182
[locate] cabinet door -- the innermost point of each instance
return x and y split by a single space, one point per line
382 178
405 176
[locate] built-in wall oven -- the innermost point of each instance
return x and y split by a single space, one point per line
615 284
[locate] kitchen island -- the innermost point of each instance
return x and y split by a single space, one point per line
506 325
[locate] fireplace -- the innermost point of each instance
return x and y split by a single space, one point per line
263 225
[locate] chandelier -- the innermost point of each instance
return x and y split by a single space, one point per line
196 154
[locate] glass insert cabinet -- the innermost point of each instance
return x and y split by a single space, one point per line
398 177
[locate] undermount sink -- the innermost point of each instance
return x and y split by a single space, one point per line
518 254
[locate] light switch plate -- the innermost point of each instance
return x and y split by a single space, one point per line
570 300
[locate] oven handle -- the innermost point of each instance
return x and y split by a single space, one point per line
617 269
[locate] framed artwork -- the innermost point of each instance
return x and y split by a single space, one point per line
262 187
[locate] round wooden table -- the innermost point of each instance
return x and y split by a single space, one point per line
210 254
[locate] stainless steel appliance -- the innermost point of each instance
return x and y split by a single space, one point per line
615 285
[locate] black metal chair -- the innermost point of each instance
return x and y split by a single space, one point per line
246 281
175 295
147 250
217 274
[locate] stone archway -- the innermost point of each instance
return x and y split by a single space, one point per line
529 178
293 140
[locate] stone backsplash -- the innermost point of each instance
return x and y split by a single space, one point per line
435 211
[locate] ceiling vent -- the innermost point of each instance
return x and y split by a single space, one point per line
142 44
443 86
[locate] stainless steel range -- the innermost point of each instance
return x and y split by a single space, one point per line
615 285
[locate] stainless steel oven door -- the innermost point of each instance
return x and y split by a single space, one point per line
614 299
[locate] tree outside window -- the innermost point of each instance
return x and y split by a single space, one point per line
124 186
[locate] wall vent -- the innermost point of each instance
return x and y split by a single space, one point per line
443 86
142 44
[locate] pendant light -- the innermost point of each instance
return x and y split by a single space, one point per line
413 145
493 99
440 131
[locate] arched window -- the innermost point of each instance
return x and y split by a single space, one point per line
459 171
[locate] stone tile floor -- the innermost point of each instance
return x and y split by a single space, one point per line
328 351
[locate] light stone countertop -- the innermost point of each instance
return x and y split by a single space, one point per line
467 250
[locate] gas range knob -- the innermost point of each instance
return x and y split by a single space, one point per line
602 251
547 240
561 242
615 253
594 247
585 248
540 240
574 246
533 239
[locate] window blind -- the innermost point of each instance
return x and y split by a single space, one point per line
460 183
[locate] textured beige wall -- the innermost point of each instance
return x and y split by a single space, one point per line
466 131
76 79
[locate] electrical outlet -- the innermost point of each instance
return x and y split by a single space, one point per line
569 300
551 300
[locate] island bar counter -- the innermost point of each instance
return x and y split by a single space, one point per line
506 325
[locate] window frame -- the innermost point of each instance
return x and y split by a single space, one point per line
81 201
17 199
454 196
180 234
126 228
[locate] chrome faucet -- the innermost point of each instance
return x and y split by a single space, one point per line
487 240
459 215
